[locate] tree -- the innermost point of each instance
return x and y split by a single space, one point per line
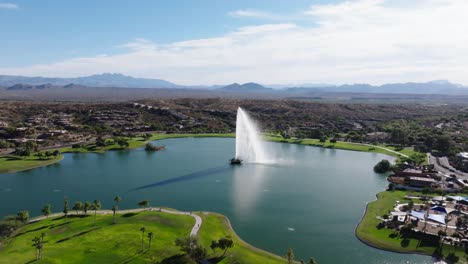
312 261
78 206
122 142
290 256
38 246
225 244
117 200
442 144
144 203
383 166
22 216
56 153
114 208
46 210
190 246
65 206
100 142
142 230
86 206
333 141
150 237
96 205
323 139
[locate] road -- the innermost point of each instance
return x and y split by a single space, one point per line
193 232
445 167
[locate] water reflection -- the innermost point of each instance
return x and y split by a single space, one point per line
248 185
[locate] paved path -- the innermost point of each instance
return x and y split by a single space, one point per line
193 232
389 150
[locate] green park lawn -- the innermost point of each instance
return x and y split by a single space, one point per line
388 239
83 240
343 145
15 163
216 226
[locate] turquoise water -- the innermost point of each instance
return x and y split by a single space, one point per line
311 201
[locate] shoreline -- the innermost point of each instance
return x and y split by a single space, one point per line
194 231
369 244
137 143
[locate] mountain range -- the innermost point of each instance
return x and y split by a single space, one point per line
115 80
98 80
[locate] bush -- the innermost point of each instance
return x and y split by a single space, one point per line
383 166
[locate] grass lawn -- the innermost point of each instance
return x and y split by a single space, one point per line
341 145
388 239
15 163
216 226
81 240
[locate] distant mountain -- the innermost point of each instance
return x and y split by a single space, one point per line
433 87
99 80
246 88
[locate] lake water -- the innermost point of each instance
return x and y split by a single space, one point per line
311 201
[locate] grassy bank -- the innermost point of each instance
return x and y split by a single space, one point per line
390 240
344 145
81 240
217 226
136 142
14 163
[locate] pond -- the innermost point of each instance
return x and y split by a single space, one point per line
311 201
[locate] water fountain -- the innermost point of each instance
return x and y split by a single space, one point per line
249 145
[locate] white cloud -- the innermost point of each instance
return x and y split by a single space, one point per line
250 13
372 41
8 6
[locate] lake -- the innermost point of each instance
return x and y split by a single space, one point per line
311 201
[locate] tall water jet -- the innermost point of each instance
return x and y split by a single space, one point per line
249 145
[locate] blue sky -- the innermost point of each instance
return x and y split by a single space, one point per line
205 42
50 30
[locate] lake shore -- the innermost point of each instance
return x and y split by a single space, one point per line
9 167
81 232
390 240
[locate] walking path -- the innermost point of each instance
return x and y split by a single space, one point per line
389 150
193 232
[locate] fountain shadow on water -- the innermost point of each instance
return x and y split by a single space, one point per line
186 177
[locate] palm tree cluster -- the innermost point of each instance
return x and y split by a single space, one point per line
149 235
38 244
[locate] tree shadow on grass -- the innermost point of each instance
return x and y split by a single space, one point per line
33 230
79 234
216 259
405 242
128 214
177 259
131 258
393 235
58 225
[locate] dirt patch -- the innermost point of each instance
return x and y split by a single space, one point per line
59 230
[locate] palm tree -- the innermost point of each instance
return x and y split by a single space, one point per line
96 205
114 208
117 200
143 230
290 256
46 210
86 206
78 206
37 245
65 206
150 237
22 216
